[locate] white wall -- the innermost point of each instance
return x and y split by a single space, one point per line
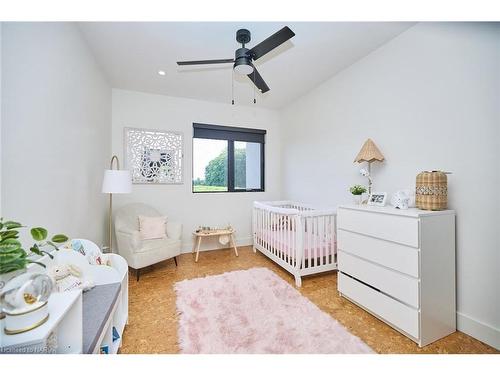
140 110
56 114
430 100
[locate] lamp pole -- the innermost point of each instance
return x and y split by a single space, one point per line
115 181
110 231
369 178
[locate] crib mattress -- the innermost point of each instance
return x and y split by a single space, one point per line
314 245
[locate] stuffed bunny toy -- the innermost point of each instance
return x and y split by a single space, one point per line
68 277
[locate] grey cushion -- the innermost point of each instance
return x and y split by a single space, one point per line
97 306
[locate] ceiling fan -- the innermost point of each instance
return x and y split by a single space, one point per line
244 57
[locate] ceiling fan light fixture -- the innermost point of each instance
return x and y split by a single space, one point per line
243 68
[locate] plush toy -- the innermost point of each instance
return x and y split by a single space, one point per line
93 254
96 257
68 277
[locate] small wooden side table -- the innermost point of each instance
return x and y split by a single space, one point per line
204 234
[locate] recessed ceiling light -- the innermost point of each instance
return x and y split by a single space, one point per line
161 72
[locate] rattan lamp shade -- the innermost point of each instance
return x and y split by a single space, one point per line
369 152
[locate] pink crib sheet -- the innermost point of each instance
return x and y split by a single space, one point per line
323 246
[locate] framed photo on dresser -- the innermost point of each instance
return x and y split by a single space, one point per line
377 199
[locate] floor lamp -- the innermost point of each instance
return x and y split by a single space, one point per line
115 181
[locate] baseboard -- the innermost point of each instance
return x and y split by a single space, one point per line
479 330
187 247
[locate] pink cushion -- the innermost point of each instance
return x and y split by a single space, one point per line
152 227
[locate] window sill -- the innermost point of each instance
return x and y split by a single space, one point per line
232 191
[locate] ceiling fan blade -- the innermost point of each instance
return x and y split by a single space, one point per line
256 78
271 43
201 62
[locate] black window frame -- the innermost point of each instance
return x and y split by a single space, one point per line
231 134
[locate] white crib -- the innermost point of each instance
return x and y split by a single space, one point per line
299 237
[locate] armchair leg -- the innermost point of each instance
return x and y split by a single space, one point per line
175 260
137 273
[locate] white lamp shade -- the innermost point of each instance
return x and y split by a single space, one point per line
116 182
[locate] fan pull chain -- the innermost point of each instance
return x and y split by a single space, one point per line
232 87
254 101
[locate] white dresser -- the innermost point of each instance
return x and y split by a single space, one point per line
400 266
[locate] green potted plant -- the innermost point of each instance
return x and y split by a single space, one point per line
357 191
14 259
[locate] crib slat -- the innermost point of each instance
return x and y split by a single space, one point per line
293 249
306 242
309 241
274 241
289 239
316 244
266 234
261 227
281 241
263 221
325 240
286 248
280 244
269 231
295 234
334 238
277 239
264 227
331 234
321 239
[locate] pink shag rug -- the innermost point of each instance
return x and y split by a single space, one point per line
255 311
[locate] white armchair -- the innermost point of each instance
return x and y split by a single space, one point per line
141 253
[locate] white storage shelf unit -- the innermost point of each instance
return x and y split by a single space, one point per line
113 302
400 266
66 309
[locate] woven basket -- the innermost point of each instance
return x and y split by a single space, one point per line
431 191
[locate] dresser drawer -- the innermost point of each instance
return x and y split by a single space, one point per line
401 258
392 311
401 287
400 229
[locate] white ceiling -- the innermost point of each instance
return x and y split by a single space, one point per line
131 53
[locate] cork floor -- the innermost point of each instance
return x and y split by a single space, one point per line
152 326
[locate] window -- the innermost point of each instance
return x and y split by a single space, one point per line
227 159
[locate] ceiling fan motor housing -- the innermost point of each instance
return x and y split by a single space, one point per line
241 57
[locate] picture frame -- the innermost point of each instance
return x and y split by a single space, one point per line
377 199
